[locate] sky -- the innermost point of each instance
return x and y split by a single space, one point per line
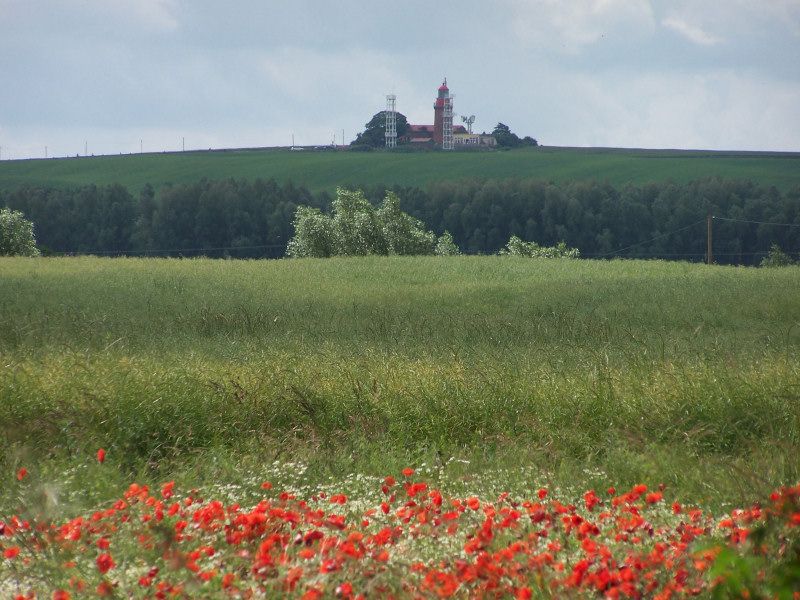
119 76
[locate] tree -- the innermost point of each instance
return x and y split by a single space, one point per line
506 139
16 234
374 132
313 234
445 246
776 258
356 228
403 233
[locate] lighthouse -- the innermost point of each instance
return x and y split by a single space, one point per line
443 117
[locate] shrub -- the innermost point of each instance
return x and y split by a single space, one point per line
445 246
16 234
356 228
776 258
519 247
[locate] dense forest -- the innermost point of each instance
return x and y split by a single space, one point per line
248 219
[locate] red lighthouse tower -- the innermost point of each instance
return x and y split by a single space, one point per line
438 113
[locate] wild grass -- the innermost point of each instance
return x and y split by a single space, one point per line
591 373
326 170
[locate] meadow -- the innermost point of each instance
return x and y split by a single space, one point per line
487 375
325 170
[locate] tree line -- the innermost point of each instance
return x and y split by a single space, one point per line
249 219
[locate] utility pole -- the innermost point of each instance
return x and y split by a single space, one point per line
140 146
183 144
709 239
86 148
343 144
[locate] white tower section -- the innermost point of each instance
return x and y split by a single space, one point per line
391 121
447 123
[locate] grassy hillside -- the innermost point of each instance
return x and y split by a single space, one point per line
588 373
325 170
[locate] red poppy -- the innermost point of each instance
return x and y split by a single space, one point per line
105 563
22 473
101 455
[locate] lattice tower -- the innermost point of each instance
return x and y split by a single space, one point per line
447 123
391 121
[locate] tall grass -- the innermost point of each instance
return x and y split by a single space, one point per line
592 371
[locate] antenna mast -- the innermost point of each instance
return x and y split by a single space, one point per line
391 121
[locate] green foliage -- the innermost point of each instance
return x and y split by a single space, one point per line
518 247
16 234
374 136
445 246
776 258
506 139
747 571
245 219
356 228
314 234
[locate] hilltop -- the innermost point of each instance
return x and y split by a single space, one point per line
320 170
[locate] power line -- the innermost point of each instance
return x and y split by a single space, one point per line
757 222
651 239
662 254
263 246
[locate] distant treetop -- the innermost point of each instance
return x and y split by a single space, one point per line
506 139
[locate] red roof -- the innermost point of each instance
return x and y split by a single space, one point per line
429 129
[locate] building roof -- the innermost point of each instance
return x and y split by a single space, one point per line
429 129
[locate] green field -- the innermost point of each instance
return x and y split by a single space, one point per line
325 170
587 373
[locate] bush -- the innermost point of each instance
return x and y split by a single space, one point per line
356 228
776 258
16 234
445 246
519 247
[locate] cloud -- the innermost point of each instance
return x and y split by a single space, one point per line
569 26
718 109
693 33
312 78
159 15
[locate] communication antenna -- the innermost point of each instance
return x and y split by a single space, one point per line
391 121
469 121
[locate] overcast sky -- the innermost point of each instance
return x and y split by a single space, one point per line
721 74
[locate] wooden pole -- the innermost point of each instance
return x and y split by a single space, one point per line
709 239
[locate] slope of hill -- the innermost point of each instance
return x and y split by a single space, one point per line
325 170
